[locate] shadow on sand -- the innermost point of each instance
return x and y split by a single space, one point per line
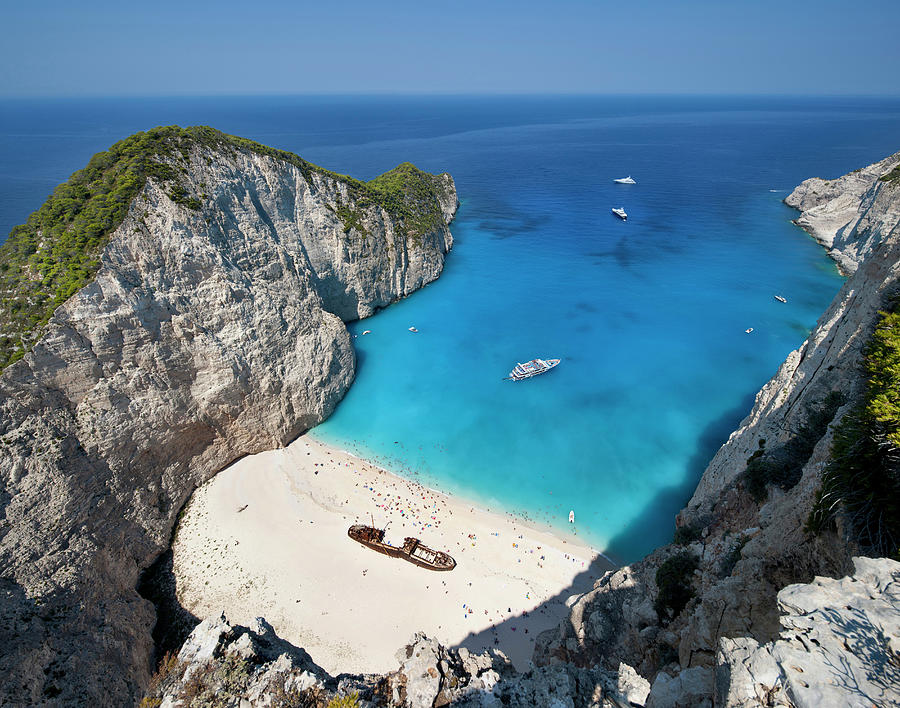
509 635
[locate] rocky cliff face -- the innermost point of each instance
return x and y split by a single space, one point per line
849 215
736 552
206 335
212 333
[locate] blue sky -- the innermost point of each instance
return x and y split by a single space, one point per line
569 46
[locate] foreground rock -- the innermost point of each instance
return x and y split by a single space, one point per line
207 334
839 646
240 666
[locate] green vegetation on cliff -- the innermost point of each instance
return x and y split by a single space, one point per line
893 176
782 466
861 483
57 251
673 580
411 194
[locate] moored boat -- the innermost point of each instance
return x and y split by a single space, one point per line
625 180
620 213
532 368
412 550
780 299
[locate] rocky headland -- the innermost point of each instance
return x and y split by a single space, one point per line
852 214
212 329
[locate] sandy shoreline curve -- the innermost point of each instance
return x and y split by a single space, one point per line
268 536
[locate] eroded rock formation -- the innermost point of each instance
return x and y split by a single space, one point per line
849 215
839 645
240 666
207 334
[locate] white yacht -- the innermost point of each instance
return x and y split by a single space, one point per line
620 213
625 180
532 368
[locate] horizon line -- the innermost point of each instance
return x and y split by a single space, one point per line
440 94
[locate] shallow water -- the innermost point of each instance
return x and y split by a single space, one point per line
647 316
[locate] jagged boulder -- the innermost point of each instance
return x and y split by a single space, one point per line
607 625
252 666
839 645
632 688
747 677
431 675
691 688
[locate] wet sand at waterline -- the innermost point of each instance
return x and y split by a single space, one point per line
268 537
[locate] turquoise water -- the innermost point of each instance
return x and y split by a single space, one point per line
647 316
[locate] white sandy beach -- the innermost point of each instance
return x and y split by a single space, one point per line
268 536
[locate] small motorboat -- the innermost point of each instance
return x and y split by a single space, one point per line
368 331
413 329
748 330
620 213
572 516
625 180
780 299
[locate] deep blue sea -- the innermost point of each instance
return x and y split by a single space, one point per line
648 316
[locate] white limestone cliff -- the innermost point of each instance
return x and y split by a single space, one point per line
206 335
849 215
211 334
839 645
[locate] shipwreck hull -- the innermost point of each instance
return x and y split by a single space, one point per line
412 550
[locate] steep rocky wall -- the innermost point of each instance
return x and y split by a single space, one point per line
746 551
829 360
858 217
206 335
